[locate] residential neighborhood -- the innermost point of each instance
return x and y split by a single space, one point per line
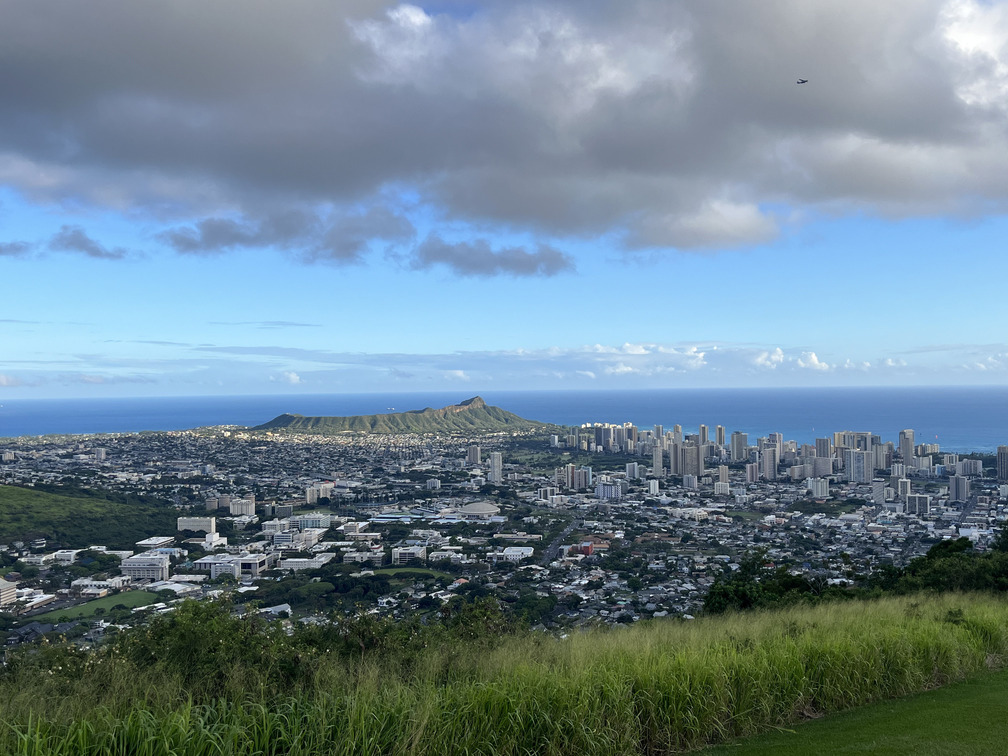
598 524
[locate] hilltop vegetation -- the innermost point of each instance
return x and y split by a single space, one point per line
78 518
203 681
952 565
472 415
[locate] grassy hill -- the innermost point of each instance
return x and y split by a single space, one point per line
82 519
472 415
202 681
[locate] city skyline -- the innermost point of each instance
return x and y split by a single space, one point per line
224 198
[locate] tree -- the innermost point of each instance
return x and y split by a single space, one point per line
1000 542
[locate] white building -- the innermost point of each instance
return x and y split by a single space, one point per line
819 487
8 592
408 555
146 567
496 475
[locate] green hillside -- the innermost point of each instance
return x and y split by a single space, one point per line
78 521
472 415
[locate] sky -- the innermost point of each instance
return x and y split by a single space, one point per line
245 197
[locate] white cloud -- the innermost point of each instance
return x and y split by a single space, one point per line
769 359
810 361
620 369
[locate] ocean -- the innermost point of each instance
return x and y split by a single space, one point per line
959 419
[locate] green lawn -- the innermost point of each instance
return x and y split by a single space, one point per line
87 609
745 514
965 718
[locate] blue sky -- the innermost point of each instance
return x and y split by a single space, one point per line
223 197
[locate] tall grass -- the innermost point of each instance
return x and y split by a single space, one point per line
649 689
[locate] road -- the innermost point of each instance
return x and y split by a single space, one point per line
550 551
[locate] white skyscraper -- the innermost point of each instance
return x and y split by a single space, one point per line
496 475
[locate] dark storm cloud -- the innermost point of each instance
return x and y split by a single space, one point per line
478 259
659 124
75 239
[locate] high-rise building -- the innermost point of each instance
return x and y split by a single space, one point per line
739 447
903 489
959 488
1002 463
722 473
657 462
496 475
768 462
906 446
719 435
859 466
822 466
675 458
777 439
752 472
704 438
693 460
473 455
824 447
878 491
918 504
818 486
583 478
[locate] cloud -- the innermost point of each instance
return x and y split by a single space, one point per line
340 236
95 379
75 239
620 369
14 249
478 259
9 381
769 359
656 125
266 324
810 361
622 365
